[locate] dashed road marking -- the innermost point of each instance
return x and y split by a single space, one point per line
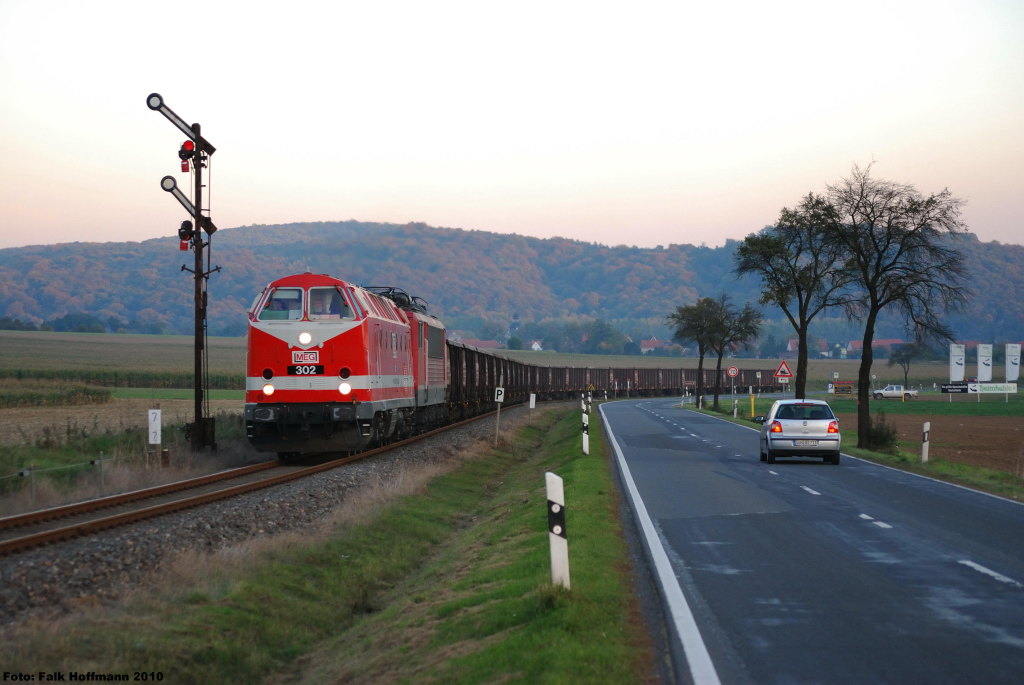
881 525
867 518
813 492
773 473
989 572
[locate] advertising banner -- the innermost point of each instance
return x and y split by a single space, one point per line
984 363
1012 362
995 388
956 363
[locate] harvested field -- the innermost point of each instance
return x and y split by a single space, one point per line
26 425
994 442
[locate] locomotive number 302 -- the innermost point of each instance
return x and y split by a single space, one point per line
305 370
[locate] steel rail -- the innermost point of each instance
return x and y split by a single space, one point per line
89 527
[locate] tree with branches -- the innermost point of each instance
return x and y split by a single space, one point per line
899 252
694 323
731 327
800 265
903 356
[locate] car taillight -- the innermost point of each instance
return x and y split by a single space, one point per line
833 427
776 427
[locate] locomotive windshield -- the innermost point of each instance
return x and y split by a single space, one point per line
283 303
327 303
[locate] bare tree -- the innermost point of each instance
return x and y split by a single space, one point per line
898 253
903 356
800 264
730 327
694 323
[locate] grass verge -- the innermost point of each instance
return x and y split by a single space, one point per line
908 458
449 584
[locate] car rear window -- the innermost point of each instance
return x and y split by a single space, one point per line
804 412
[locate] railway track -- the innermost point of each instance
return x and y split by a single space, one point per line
37 528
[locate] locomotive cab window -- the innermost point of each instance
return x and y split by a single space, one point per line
283 304
327 303
435 342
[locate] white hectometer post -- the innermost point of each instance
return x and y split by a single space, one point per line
924 441
556 531
586 433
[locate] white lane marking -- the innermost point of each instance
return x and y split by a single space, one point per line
989 572
739 455
773 473
881 525
813 492
867 518
702 670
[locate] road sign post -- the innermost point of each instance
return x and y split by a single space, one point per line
782 376
499 397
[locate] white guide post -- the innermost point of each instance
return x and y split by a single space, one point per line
583 403
735 408
586 433
590 402
924 441
556 531
533 403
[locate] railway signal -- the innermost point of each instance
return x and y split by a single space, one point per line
197 151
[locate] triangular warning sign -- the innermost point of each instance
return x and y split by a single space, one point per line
783 370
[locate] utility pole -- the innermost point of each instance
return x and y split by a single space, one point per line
201 431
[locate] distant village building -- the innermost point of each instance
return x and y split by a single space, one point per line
536 346
648 346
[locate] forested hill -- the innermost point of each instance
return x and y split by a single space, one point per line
463 274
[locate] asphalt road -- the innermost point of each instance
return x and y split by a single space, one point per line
801 572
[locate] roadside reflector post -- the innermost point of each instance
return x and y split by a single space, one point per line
735 408
751 401
583 403
590 402
533 404
30 473
556 531
586 433
924 441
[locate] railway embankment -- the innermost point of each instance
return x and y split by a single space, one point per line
434 567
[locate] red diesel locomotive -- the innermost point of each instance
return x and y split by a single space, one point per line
332 366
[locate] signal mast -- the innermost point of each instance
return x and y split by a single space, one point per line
197 151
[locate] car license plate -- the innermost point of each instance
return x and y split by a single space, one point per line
805 443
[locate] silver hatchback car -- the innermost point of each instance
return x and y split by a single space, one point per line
799 428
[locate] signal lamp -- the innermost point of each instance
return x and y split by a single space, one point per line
183 245
776 427
184 166
304 338
185 232
345 372
344 388
833 427
187 150
268 389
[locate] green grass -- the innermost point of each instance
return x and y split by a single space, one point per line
934 405
908 458
53 397
451 584
123 378
175 394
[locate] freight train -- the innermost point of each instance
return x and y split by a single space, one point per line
336 367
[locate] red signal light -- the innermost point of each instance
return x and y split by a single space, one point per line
187 150
183 246
184 166
189 145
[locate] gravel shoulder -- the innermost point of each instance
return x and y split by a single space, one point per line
101 569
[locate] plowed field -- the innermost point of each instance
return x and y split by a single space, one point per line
995 442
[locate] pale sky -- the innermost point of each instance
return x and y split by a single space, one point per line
634 123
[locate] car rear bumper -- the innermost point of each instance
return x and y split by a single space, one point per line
784 447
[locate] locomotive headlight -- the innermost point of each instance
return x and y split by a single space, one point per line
344 388
268 389
304 338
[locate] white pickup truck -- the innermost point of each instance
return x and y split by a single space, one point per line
895 392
